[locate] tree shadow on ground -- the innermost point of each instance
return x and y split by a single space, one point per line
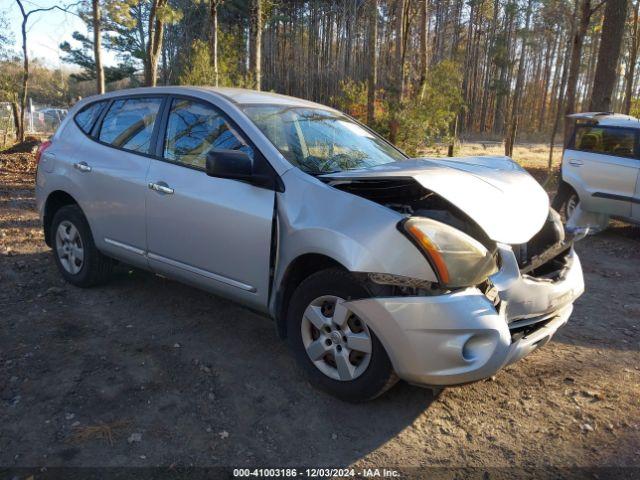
204 381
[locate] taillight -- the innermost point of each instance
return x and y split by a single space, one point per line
41 148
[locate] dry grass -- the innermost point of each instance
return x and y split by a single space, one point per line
532 156
103 431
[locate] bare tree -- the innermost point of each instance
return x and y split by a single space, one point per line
255 44
213 38
25 64
517 94
615 14
97 41
424 43
399 71
585 12
629 75
160 14
373 63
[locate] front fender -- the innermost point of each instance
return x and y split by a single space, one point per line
314 218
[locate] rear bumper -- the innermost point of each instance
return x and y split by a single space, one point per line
462 337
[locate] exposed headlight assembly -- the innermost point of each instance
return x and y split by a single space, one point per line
458 259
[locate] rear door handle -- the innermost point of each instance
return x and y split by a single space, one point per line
82 166
161 187
576 163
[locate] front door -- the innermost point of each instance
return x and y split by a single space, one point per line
212 232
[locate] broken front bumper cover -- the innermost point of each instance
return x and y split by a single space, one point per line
462 337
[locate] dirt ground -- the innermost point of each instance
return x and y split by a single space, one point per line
149 372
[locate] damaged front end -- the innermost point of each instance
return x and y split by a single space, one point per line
526 276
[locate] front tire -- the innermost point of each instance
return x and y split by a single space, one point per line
75 253
337 350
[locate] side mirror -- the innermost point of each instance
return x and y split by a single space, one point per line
232 164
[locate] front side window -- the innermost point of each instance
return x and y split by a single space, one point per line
606 140
194 129
320 141
129 123
86 117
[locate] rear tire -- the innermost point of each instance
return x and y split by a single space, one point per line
351 363
566 201
78 260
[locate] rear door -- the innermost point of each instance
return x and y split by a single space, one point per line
602 163
114 171
212 232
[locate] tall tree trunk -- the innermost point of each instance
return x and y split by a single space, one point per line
15 110
515 109
213 40
556 121
576 55
394 124
97 47
615 14
424 42
629 75
25 73
547 79
373 63
255 43
400 48
154 44
486 97
505 67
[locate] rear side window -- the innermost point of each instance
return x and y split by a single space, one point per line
620 142
129 123
194 128
86 117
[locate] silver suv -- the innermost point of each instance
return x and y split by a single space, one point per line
601 171
374 266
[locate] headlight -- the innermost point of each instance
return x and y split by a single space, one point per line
458 259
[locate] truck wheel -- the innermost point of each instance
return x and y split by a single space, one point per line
75 253
336 349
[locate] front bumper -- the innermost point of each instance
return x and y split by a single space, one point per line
462 337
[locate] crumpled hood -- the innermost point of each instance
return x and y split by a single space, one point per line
502 198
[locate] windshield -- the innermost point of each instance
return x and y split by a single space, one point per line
319 141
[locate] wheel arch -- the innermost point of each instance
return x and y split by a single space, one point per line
55 201
564 190
298 269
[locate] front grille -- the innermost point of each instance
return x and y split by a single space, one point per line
521 328
546 255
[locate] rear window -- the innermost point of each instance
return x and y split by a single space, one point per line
129 123
86 117
620 142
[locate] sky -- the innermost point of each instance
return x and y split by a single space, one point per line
46 30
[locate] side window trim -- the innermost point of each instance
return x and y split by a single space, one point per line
158 152
165 106
95 122
95 131
636 134
162 134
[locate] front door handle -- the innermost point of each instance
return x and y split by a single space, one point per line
82 166
575 163
161 187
